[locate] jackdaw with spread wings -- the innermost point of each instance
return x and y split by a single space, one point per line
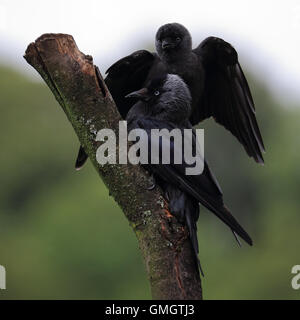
212 72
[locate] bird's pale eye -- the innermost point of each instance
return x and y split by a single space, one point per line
178 39
156 93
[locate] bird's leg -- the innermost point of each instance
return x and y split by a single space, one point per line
153 183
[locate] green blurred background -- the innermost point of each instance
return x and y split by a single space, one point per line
63 237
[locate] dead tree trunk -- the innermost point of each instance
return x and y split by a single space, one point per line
80 90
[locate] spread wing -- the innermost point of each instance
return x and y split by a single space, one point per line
128 75
202 187
227 96
124 76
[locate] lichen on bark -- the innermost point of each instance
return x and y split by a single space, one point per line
81 92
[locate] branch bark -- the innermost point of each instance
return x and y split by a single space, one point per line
81 92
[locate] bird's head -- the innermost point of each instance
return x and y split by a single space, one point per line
166 93
172 38
152 92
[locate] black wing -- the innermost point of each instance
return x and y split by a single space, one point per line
81 158
126 75
227 96
203 187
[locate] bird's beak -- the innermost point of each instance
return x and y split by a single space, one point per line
141 94
167 44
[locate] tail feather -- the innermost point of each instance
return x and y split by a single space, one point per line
236 238
81 158
204 189
190 213
235 226
224 214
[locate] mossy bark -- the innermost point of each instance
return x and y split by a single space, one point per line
80 90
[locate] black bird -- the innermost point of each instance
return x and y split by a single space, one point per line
166 104
212 72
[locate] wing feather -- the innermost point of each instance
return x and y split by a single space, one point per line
227 95
202 187
127 75
124 76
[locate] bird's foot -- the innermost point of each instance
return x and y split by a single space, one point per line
153 183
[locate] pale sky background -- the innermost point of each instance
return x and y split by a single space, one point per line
265 33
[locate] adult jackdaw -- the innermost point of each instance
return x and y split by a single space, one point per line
212 72
165 103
